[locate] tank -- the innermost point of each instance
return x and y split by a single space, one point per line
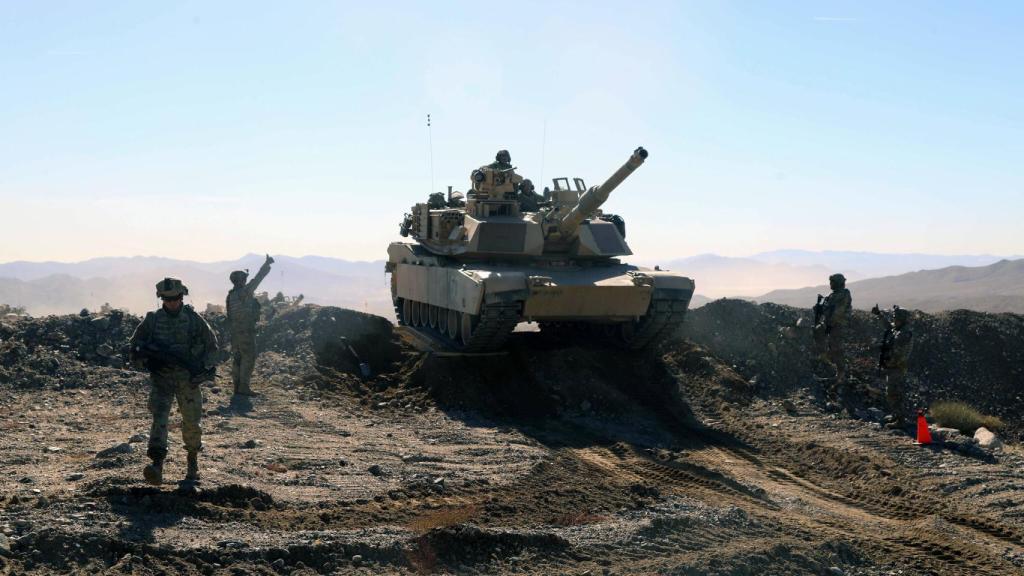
501 254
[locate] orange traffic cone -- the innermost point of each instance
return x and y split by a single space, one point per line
924 436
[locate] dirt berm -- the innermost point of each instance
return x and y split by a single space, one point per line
553 458
974 357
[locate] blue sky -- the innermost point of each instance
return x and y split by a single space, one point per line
208 131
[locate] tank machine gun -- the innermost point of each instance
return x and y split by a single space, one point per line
476 271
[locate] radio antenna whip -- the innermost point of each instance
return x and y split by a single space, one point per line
430 140
543 143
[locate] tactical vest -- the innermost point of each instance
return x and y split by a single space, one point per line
242 312
174 333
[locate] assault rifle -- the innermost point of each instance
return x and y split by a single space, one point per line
818 309
157 358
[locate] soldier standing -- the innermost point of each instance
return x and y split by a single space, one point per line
897 342
179 349
832 316
243 312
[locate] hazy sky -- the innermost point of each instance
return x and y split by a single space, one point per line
209 130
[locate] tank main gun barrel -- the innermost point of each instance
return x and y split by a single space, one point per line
593 198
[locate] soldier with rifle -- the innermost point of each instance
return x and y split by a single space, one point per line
179 349
897 342
831 317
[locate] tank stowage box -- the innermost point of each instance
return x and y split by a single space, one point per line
501 254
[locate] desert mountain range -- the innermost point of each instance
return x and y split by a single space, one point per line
927 282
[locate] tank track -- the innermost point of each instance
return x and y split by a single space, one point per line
497 321
663 317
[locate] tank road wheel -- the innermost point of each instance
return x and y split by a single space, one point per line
467 325
432 314
442 321
424 314
406 315
414 314
453 324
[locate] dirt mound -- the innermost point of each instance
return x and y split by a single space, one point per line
961 355
323 335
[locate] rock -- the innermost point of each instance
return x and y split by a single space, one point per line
357 560
944 434
27 480
52 449
138 438
789 406
122 448
835 571
74 476
375 470
250 444
276 467
104 350
5 546
987 439
258 504
875 414
278 564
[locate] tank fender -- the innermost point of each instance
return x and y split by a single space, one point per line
504 287
669 286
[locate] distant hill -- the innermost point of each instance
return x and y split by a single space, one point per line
721 276
54 287
861 265
998 287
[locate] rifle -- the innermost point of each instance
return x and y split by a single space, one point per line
818 309
885 349
156 358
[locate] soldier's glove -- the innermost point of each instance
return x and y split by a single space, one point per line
269 259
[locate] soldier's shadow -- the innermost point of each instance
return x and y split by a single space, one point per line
148 508
238 405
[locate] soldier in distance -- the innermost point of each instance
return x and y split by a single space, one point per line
832 318
897 343
243 311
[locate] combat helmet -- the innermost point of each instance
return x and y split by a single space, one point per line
900 315
170 288
837 280
503 156
238 276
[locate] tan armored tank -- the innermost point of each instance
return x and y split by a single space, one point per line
502 255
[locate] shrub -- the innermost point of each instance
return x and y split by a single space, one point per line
962 417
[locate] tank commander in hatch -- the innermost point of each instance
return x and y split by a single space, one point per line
243 311
497 178
832 316
179 349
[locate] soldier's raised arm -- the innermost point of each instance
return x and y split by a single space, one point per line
255 282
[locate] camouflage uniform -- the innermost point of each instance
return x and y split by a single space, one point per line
243 311
837 309
897 344
183 333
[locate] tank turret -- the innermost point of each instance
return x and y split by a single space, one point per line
593 198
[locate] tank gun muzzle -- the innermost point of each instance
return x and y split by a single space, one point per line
593 198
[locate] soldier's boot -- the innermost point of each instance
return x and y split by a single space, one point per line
154 473
192 473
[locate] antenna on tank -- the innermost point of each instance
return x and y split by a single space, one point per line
543 143
430 140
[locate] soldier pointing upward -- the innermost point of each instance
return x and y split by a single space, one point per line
243 311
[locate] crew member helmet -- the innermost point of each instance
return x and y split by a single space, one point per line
170 288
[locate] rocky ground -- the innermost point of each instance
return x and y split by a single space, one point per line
703 457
